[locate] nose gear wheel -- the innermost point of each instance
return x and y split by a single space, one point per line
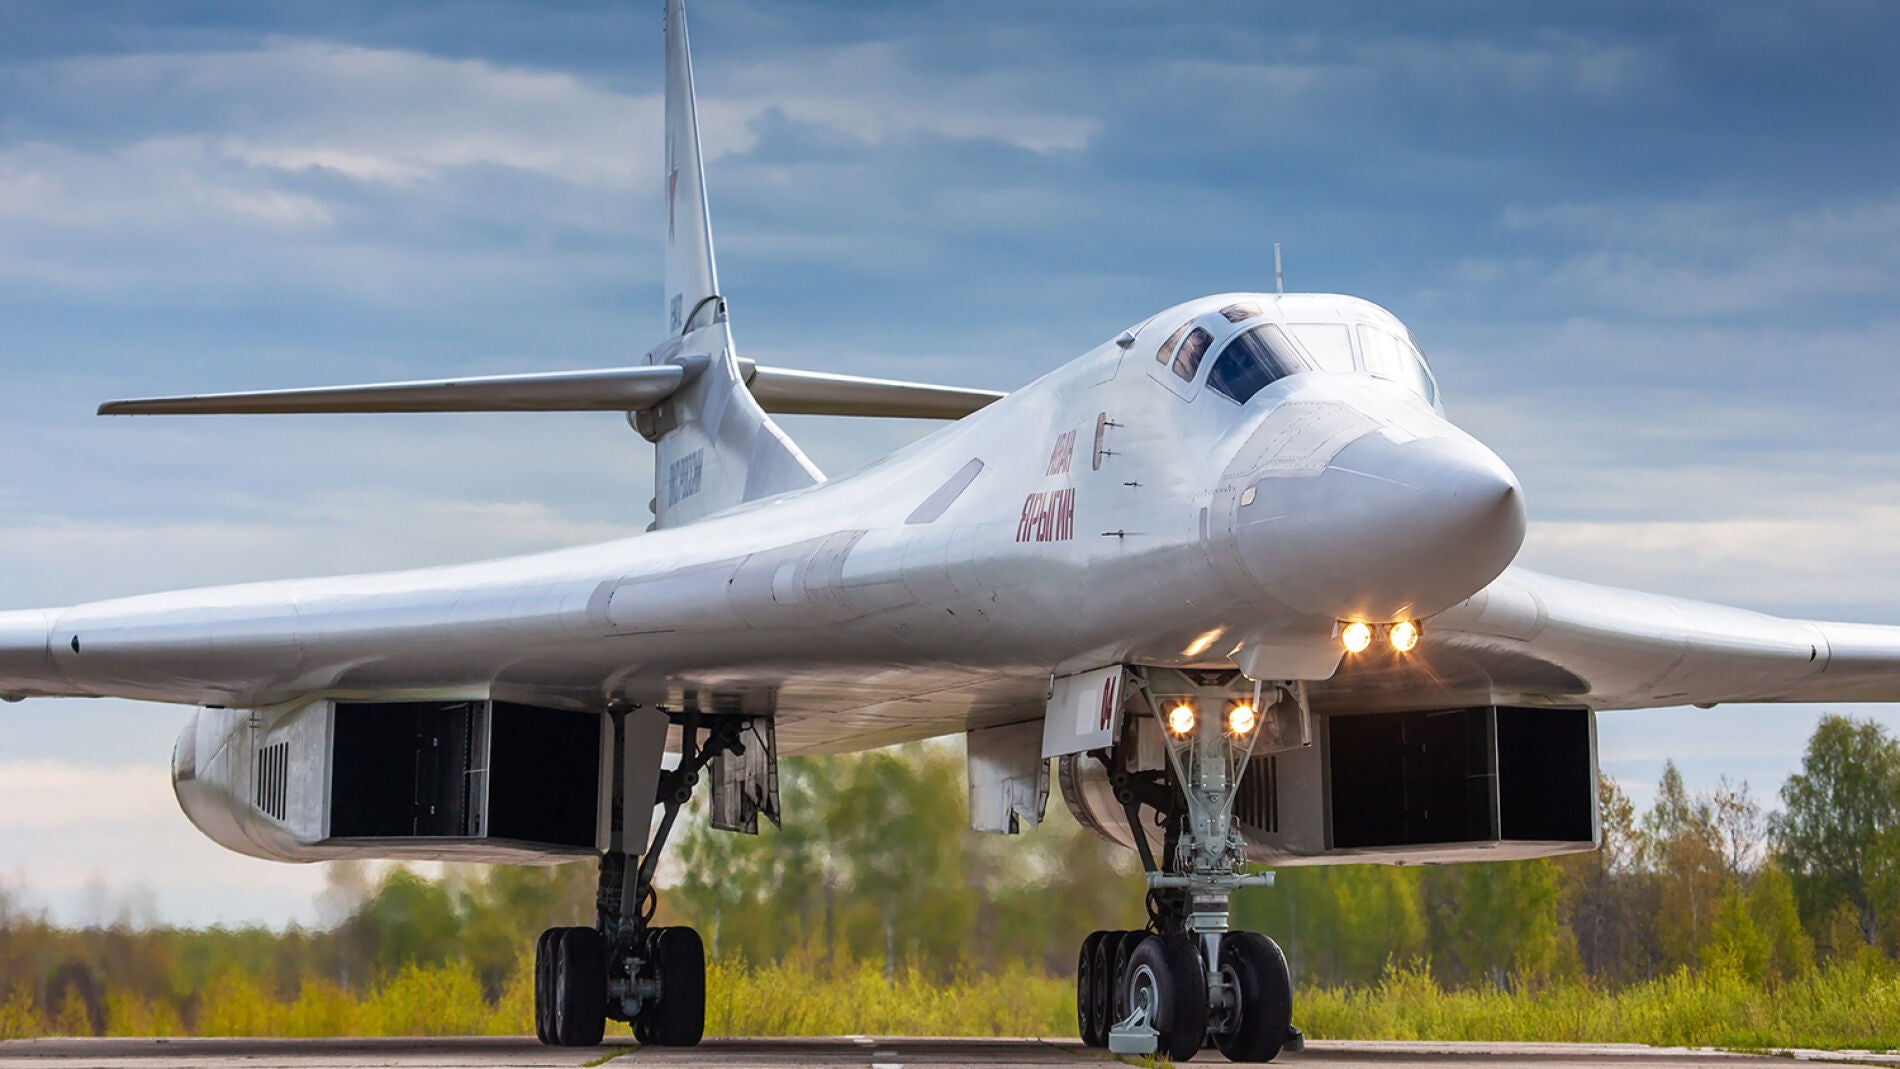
1188 981
1261 1020
1165 987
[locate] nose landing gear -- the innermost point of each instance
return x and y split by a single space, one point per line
1188 981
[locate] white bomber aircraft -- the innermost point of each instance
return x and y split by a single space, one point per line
1233 570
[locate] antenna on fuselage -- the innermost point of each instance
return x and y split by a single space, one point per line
1279 276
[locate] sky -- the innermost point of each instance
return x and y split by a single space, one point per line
1652 250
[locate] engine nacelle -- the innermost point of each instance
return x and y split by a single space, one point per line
1481 784
437 781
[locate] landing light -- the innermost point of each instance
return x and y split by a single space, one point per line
1241 719
1181 719
1355 636
1404 636
1199 645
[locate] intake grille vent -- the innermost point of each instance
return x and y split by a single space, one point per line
1257 802
273 779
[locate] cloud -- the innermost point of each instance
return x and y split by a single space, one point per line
1474 70
379 176
1592 398
1687 260
99 842
1743 464
1844 558
378 114
869 93
49 794
151 184
398 117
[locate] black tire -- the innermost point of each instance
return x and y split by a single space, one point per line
1102 985
1166 973
544 986
1118 989
1088 1022
679 1016
579 988
1264 1017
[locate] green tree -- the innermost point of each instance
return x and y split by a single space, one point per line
899 818
1674 810
1608 895
1341 924
408 921
763 896
1685 851
1735 942
1740 827
503 908
1771 904
1498 922
1836 831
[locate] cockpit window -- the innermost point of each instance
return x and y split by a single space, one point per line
1187 360
1421 380
1329 343
1237 313
1392 357
1167 347
1381 353
1253 360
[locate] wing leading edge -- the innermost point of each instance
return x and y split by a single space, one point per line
634 389
1537 639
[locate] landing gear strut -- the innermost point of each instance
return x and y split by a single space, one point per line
1188 981
624 967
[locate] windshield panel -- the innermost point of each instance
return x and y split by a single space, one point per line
1396 359
1418 375
1193 347
1381 353
1253 361
1167 347
1330 344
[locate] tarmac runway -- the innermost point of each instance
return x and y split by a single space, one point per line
858 1052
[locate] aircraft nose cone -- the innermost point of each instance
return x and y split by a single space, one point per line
1390 529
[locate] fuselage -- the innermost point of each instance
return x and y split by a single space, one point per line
1142 503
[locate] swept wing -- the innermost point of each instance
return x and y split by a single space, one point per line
1531 638
631 389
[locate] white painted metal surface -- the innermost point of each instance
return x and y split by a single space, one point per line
1156 501
1360 501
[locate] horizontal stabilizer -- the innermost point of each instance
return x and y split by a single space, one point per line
602 390
812 393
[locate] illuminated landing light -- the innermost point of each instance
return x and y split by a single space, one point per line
1404 636
1241 719
1355 636
1181 719
1199 645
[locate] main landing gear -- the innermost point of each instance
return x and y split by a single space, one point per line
1187 982
625 968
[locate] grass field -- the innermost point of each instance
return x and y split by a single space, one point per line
1849 1006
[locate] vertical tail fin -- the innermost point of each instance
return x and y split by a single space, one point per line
716 447
692 280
